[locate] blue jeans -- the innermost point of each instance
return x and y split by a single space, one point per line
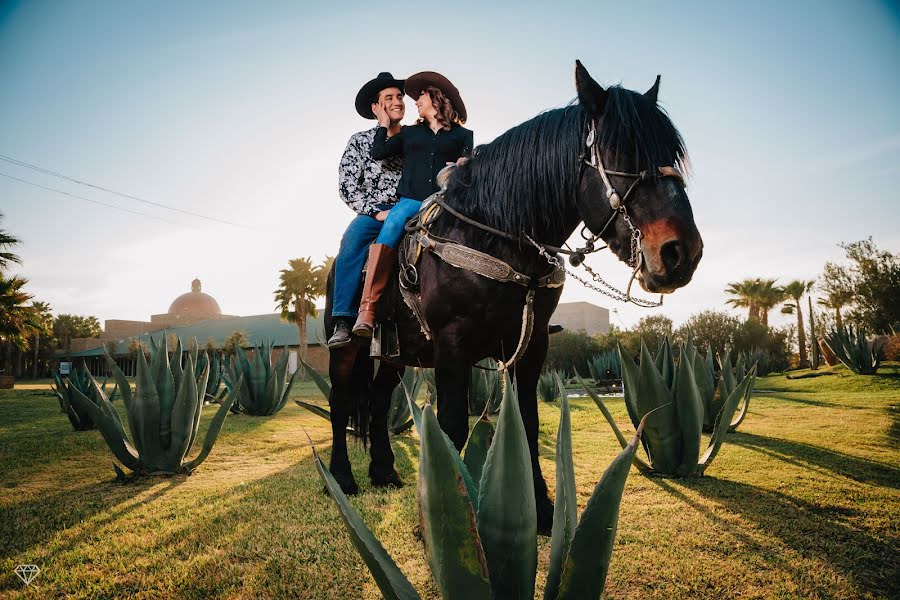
348 264
394 225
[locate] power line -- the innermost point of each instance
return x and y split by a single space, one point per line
122 194
128 210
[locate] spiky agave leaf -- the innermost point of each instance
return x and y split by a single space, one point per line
212 433
110 429
587 563
689 414
640 464
546 386
853 349
449 531
147 409
390 580
399 418
744 406
477 447
316 410
320 382
507 513
663 435
565 507
724 420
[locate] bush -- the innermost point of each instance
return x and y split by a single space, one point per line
571 350
714 329
891 348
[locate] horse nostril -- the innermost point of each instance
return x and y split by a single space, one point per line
671 254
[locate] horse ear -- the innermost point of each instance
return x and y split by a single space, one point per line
652 92
591 94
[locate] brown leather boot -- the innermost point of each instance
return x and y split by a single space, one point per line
379 268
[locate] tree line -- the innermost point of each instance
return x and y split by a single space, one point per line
862 291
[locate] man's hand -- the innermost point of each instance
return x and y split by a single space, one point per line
383 119
381 215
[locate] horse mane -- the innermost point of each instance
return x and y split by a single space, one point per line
525 179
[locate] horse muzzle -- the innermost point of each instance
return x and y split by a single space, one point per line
670 257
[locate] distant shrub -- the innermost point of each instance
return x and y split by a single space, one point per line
571 350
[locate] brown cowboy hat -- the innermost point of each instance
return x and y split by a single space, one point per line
418 82
369 93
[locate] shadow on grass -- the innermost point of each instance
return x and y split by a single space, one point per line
784 397
869 561
30 523
808 456
893 432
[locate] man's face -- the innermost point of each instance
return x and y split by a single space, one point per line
391 99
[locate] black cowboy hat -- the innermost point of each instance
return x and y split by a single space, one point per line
369 93
418 82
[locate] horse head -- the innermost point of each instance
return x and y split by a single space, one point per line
632 193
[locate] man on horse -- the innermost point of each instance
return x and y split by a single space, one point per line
369 187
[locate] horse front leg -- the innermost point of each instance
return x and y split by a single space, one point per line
452 368
341 363
527 372
381 466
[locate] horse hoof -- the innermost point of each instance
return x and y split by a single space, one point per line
348 485
391 480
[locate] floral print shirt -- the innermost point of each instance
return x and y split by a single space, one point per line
367 185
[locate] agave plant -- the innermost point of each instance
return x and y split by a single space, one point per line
478 518
605 365
547 386
673 434
484 388
715 392
263 389
64 388
854 350
214 389
163 415
399 417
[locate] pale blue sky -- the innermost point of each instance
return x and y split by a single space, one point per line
241 111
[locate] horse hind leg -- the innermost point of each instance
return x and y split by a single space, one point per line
341 369
381 466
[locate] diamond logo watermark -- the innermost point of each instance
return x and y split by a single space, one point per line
27 573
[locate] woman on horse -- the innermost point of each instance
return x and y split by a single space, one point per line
436 140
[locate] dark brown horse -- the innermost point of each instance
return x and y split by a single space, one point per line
541 179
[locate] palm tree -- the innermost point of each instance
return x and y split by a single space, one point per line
295 297
16 318
835 299
768 297
745 296
7 241
44 325
796 290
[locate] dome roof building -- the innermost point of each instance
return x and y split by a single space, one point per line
191 307
195 303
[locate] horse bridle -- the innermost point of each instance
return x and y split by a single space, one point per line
616 202
619 204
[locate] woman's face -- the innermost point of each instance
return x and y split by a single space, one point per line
426 108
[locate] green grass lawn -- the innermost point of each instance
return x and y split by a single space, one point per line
802 502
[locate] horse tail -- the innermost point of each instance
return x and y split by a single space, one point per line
361 396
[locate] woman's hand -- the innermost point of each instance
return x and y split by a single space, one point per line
383 119
381 215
